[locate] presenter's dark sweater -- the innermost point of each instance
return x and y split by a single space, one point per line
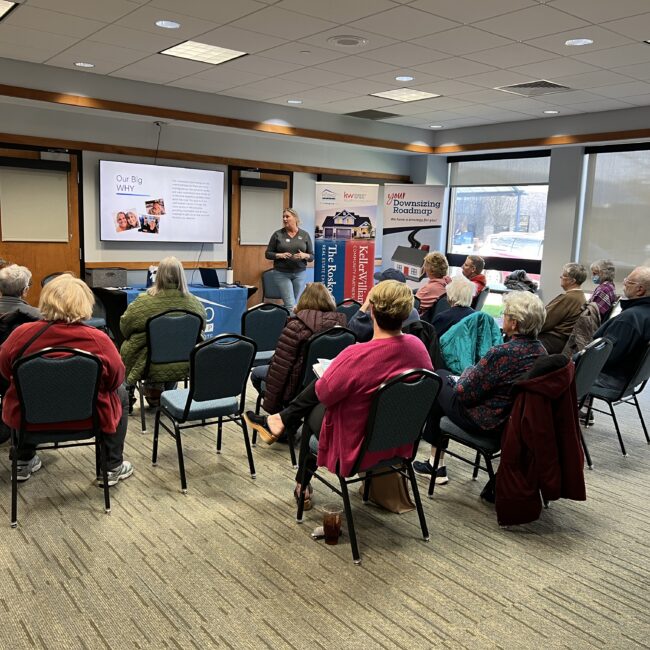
280 242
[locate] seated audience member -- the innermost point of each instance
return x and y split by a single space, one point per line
473 271
629 331
480 400
361 323
604 295
15 282
459 297
169 292
436 267
65 302
314 312
335 408
563 311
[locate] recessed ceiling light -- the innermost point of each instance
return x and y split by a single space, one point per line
647 42
577 42
348 42
83 64
167 24
294 101
405 95
435 126
404 78
6 7
201 52
551 112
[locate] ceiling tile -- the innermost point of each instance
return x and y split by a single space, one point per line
315 96
594 79
616 57
418 77
602 39
485 96
52 21
570 97
342 11
462 40
301 54
631 89
469 11
261 65
446 87
351 105
427 105
601 104
278 22
145 19
95 9
106 58
43 41
533 22
636 27
508 55
404 54
367 87
217 12
217 79
26 52
322 40
638 71
315 77
454 68
356 66
403 23
496 78
241 40
267 89
639 100
599 11
160 69
554 68
134 39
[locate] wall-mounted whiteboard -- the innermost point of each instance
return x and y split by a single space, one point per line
260 214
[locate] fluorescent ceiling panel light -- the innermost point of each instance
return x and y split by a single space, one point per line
84 64
196 51
435 126
404 78
577 42
167 24
405 95
551 112
6 7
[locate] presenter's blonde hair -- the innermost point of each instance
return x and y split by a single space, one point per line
67 299
293 213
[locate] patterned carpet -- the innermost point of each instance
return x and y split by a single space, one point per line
227 566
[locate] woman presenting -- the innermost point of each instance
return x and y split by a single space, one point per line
290 248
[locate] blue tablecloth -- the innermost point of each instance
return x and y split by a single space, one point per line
224 306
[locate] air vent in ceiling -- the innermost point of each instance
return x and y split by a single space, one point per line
534 88
373 115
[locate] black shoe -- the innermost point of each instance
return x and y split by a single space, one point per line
426 469
489 493
260 424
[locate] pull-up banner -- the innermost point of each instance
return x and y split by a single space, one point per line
345 238
412 221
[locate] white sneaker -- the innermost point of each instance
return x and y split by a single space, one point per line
25 468
118 474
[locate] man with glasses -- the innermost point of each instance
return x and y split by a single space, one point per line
629 331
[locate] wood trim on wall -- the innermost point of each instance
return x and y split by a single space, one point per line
137 266
55 143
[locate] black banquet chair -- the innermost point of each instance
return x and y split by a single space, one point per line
440 305
479 299
270 289
263 324
213 396
171 336
390 425
589 362
55 385
625 395
349 307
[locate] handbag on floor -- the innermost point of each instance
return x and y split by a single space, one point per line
390 491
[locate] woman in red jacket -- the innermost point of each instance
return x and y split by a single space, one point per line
315 312
64 303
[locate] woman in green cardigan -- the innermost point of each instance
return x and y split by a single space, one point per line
168 292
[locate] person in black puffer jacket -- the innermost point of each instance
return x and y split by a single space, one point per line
315 312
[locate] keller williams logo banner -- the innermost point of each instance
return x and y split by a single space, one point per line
345 238
412 222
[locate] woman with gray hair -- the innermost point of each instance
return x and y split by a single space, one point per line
15 282
169 292
459 296
604 295
563 311
480 400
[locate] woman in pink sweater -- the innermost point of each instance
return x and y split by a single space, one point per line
436 268
335 408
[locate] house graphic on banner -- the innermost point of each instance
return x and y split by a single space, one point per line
410 261
346 225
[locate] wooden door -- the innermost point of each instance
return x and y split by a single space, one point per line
43 258
248 261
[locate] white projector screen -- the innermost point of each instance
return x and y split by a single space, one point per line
153 203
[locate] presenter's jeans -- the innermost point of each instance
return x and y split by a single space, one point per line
290 284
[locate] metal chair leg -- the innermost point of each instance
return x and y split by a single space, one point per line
291 439
219 434
348 517
140 388
14 486
586 449
303 487
107 496
249 451
418 501
618 431
181 462
436 462
477 465
638 410
156 431
366 487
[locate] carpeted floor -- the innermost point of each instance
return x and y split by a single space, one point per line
227 566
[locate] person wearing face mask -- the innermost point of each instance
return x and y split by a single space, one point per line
604 295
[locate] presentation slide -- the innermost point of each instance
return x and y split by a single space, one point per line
153 203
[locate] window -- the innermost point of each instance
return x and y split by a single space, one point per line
498 210
616 216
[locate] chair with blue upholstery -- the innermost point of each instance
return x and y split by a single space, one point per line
264 323
440 305
55 385
349 307
171 337
219 369
270 288
480 298
390 425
